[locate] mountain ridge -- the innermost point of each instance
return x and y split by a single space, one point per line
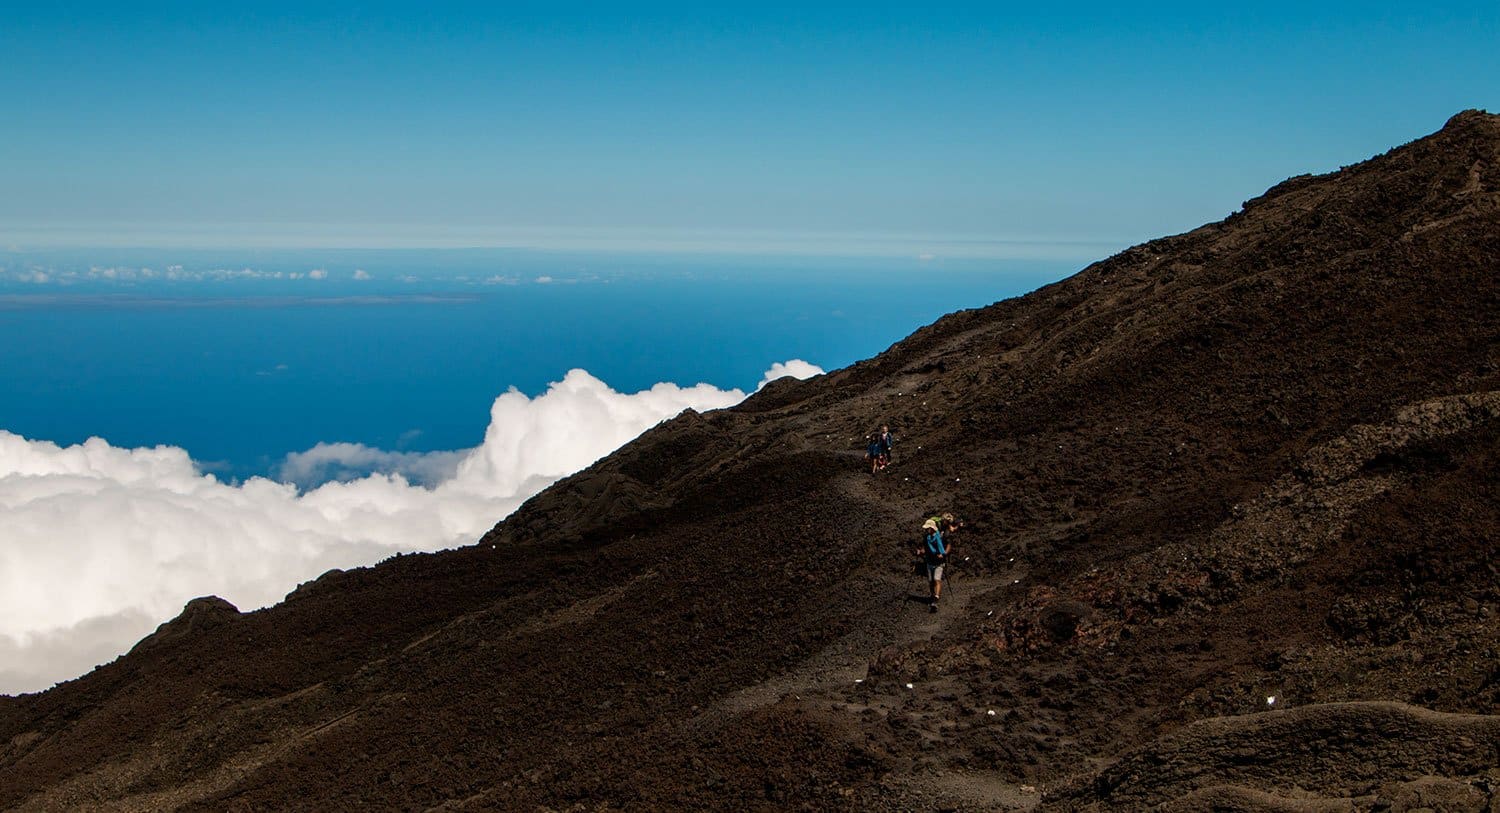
1198 474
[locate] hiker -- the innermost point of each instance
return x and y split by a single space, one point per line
872 452
934 553
887 440
948 525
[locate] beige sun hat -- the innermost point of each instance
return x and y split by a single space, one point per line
930 525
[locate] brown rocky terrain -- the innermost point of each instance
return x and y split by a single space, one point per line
1233 503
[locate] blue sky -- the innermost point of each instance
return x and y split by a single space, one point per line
907 128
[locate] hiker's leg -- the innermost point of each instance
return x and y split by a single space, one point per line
937 589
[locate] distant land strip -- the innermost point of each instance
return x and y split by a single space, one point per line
15 302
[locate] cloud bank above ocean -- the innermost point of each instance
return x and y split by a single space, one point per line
99 544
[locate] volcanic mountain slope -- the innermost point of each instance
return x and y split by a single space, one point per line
1233 509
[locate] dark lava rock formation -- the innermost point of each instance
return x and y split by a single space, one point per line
1233 507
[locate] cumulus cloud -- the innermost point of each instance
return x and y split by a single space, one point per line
796 368
351 461
33 275
37 661
361 274
99 544
317 273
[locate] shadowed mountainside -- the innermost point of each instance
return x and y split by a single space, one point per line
1232 503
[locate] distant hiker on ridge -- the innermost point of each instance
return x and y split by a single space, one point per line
872 452
934 553
887 440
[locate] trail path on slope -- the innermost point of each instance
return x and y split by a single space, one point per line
895 613
901 618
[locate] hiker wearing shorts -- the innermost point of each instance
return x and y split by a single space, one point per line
935 555
887 440
872 452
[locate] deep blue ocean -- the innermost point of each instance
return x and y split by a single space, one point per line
241 357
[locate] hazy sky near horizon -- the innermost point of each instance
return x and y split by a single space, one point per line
923 127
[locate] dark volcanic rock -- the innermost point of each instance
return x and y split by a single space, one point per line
1335 752
1232 505
198 617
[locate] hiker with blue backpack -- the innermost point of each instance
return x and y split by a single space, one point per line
934 553
872 452
878 451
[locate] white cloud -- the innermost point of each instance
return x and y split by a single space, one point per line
349 461
796 368
32 276
98 544
37 661
361 274
544 280
317 273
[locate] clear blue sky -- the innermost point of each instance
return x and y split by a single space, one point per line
672 125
